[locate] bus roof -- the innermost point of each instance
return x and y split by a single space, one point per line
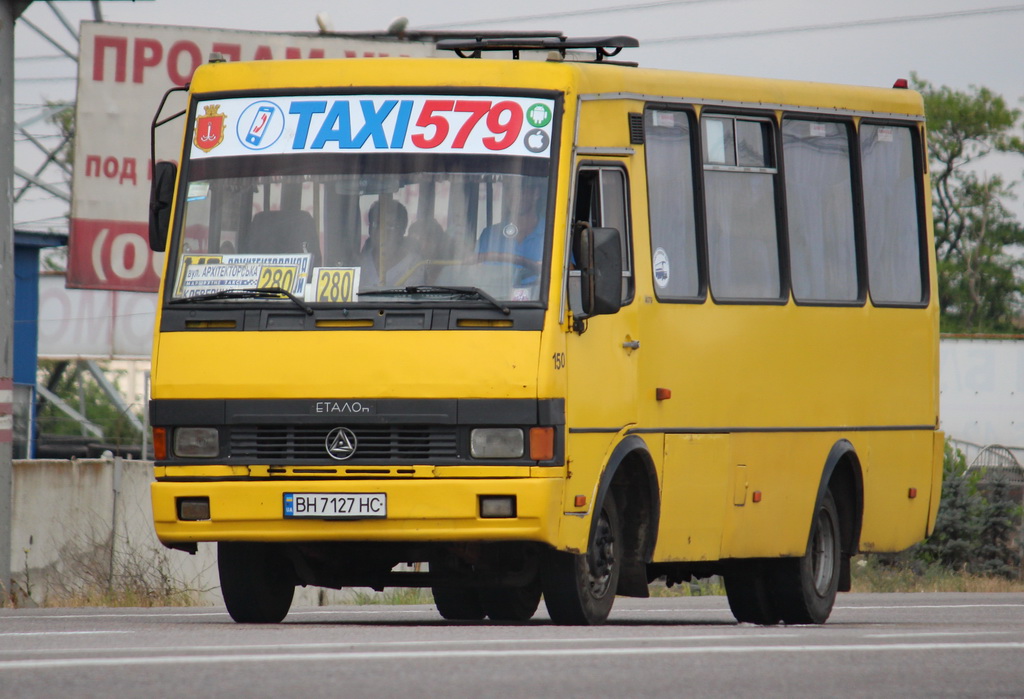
592 80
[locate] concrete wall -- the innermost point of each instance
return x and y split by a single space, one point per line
76 522
982 390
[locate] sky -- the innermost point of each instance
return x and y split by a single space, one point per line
958 43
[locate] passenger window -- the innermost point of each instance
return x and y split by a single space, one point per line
674 251
891 220
739 192
819 196
601 201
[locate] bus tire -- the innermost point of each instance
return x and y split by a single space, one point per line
458 603
579 589
511 603
749 593
806 587
256 581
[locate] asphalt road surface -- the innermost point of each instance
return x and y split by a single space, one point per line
891 645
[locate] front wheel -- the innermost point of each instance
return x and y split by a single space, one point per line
515 603
256 581
807 585
579 589
458 603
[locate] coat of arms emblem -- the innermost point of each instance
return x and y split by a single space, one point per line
209 128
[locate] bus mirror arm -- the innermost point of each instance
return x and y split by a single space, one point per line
598 256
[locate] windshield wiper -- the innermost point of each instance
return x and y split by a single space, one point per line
432 288
263 292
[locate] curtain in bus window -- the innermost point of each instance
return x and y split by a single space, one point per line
891 218
670 200
819 196
742 241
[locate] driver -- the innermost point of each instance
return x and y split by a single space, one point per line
388 257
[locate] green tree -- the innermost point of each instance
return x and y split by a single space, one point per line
957 525
80 390
981 285
976 528
997 553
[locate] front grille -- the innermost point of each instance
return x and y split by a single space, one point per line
374 442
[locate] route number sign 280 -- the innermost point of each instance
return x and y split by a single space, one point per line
336 284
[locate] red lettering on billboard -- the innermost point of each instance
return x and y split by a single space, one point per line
112 255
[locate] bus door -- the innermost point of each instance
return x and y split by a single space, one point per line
602 351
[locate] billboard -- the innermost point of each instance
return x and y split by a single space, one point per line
123 72
93 323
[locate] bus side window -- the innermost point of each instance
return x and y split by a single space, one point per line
739 193
820 210
601 202
671 207
895 239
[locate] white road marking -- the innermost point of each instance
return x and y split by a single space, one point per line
59 633
121 661
929 606
433 643
934 634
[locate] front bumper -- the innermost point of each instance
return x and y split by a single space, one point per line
419 510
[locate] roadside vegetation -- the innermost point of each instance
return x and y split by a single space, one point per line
977 545
91 575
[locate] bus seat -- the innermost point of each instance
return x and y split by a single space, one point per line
283 232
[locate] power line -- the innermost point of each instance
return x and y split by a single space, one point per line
572 13
904 19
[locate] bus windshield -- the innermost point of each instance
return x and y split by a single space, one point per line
327 224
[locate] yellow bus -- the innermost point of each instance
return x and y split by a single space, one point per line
560 327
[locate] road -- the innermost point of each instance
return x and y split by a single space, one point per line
885 645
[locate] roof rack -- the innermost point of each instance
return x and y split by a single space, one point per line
603 46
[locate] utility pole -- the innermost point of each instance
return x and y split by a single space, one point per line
9 11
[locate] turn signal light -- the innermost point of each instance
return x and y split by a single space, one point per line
542 443
160 443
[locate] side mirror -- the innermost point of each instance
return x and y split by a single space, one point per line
160 198
598 254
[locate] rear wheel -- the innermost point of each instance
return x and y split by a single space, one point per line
458 603
807 585
580 588
256 580
511 603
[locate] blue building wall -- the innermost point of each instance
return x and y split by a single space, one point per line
26 300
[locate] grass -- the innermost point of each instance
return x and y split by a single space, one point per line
703 587
145 584
392 596
89 577
869 575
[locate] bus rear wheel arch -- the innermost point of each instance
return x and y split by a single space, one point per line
791 590
802 590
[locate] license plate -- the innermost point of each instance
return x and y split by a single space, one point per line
336 505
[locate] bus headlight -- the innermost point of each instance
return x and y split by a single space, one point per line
496 443
194 442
